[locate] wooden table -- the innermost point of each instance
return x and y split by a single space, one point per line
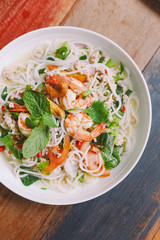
130 211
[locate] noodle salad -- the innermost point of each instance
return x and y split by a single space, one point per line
68 115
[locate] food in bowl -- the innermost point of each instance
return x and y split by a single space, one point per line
68 115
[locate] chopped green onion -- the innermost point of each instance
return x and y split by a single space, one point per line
64 51
83 57
41 71
101 60
81 179
98 79
117 77
119 89
85 47
4 93
128 92
121 67
110 63
44 188
86 93
50 58
100 52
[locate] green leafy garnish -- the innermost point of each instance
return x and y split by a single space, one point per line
41 71
50 58
97 112
105 140
44 188
83 57
29 179
86 93
64 51
101 60
98 79
19 101
9 143
128 92
43 165
117 152
109 160
100 52
110 63
39 107
114 126
36 141
85 47
4 93
119 89
31 122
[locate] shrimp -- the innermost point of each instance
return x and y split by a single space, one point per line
26 131
94 159
76 126
70 100
56 161
73 83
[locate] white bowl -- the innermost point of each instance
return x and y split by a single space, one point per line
21 46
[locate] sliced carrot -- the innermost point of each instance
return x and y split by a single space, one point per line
80 77
52 67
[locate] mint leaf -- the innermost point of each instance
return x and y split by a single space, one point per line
29 179
19 101
105 140
98 112
48 120
36 141
109 160
36 103
41 71
8 142
83 57
117 152
42 166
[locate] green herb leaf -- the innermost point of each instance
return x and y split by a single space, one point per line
8 142
86 93
101 60
4 93
29 179
128 92
119 89
64 51
85 48
50 58
41 71
109 160
42 166
110 63
32 123
105 140
83 57
19 101
98 112
36 103
117 152
121 67
36 141
48 120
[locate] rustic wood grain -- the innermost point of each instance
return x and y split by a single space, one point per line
129 211
20 16
134 25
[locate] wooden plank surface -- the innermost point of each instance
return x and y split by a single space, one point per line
20 16
132 209
134 24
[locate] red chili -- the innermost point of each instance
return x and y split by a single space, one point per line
9 152
106 71
39 154
123 108
15 139
3 108
79 144
2 148
19 146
